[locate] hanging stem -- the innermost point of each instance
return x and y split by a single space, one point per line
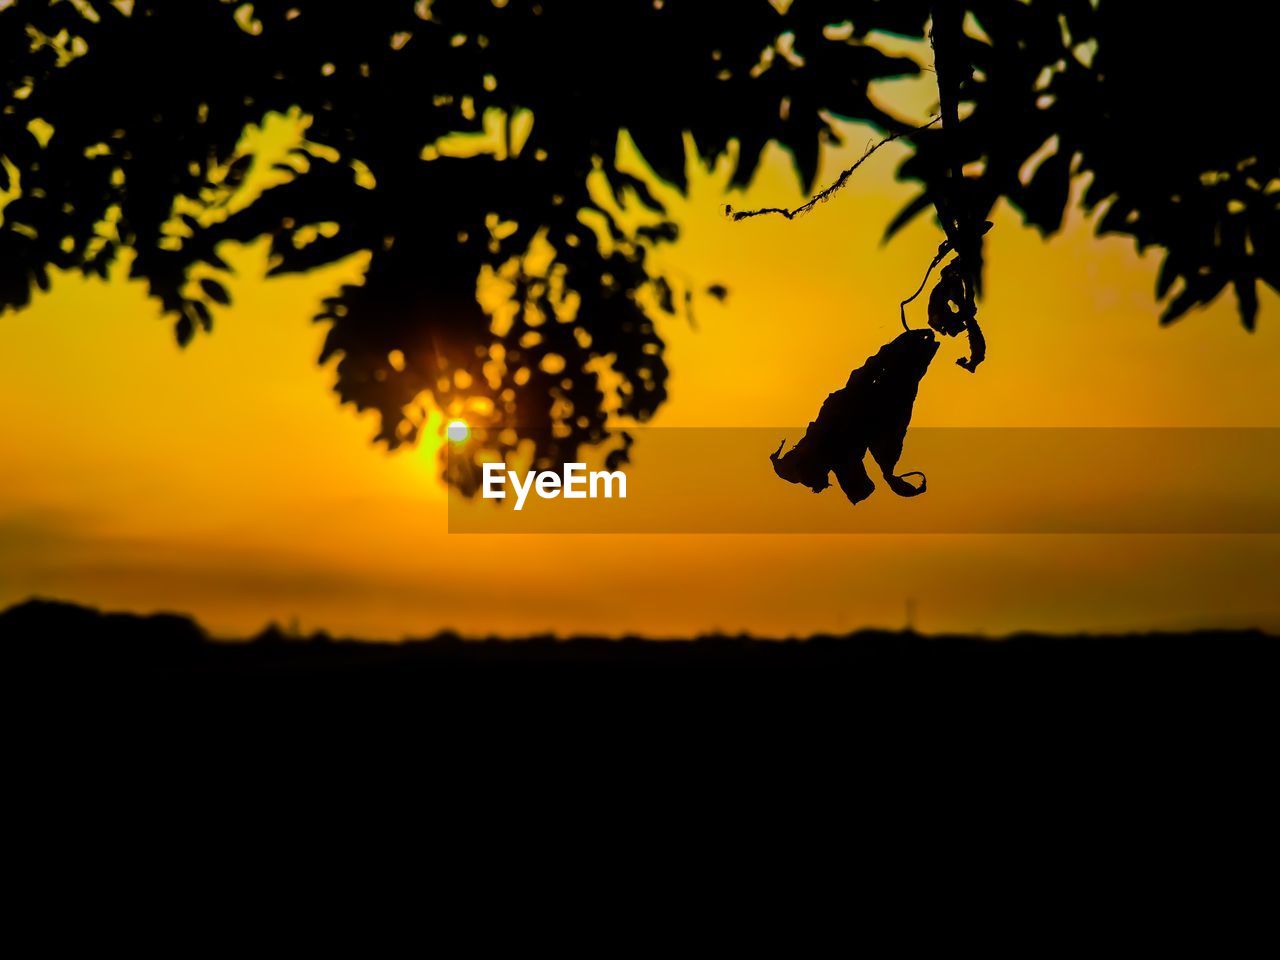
952 203
902 307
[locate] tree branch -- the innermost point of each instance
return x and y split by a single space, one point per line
827 193
947 38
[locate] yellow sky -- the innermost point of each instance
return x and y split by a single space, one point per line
224 480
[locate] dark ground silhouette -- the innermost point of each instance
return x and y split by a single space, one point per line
72 639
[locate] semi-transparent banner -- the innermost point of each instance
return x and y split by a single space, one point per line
989 480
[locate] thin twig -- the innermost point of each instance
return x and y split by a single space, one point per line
826 194
902 307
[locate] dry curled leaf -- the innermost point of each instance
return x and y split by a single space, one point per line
870 413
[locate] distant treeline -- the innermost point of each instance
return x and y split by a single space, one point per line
42 634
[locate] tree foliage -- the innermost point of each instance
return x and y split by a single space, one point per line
1163 112
123 136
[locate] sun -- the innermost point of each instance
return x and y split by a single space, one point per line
457 431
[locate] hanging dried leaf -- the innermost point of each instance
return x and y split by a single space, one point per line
870 413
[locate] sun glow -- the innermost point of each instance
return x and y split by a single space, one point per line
457 431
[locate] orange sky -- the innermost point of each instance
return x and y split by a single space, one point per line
225 480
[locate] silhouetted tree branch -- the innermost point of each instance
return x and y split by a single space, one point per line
952 201
131 134
824 195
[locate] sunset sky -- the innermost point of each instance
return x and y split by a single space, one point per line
225 481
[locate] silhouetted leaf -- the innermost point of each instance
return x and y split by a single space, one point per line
1168 274
917 206
201 314
183 329
1247 295
215 291
665 300
1044 199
